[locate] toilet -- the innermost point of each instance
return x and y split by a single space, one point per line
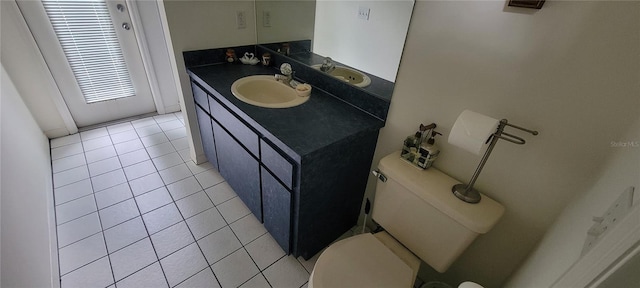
422 221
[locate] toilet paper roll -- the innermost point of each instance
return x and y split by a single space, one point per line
472 130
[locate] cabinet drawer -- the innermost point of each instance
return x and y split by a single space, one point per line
200 96
279 165
237 128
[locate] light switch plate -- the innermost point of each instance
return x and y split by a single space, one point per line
363 12
241 19
616 212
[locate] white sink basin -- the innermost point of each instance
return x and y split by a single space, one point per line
348 75
265 91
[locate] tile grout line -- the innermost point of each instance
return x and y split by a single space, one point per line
142 219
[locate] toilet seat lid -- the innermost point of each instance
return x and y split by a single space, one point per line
361 261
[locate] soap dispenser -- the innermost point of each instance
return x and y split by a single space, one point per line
430 149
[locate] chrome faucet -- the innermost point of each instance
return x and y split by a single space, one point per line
327 65
287 75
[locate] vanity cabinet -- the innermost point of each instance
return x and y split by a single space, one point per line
305 189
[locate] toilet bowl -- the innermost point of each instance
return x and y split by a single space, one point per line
365 260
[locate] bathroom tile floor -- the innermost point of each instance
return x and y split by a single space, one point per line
133 210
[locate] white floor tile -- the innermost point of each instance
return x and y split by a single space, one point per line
235 269
143 122
233 210
124 234
69 162
166 161
265 251
108 180
100 154
154 139
66 151
66 140
96 274
209 178
184 188
124 136
129 146
146 184
197 168
94 133
161 149
96 143
175 173
134 157
176 133
194 204
204 279
172 239
72 191
81 253
179 115
132 258
70 176
153 200
161 218
148 130
140 169
113 195
170 125
78 229
180 143
248 228
150 276
119 128
116 214
165 117
183 264
219 244
309 264
185 154
220 193
257 281
287 272
75 209
104 166
206 223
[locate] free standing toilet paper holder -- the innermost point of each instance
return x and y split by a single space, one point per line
466 192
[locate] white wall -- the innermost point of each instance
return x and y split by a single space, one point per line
29 256
26 66
373 45
569 70
290 20
197 25
562 244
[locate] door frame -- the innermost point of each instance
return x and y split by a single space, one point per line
614 249
143 47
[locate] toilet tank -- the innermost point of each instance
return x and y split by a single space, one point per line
419 210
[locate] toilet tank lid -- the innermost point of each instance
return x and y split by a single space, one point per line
434 187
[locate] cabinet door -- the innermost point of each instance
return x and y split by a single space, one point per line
276 203
239 168
206 133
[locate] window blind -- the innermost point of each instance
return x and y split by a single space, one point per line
90 43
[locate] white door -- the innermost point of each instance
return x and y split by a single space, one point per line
90 47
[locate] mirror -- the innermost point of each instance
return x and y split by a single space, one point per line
368 36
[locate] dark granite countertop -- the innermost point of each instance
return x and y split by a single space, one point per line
306 128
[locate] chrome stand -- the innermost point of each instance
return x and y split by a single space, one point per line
466 192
